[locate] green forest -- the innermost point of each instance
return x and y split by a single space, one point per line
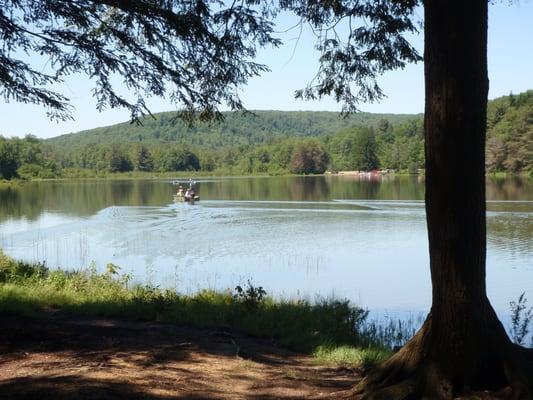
264 142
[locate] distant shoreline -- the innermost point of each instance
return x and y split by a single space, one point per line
224 174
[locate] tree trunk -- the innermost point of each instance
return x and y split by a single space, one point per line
455 124
462 346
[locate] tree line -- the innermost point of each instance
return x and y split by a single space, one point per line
234 130
510 133
382 144
356 148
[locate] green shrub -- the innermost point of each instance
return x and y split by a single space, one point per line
13 271
251 296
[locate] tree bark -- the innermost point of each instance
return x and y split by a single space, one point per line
455 124
462 346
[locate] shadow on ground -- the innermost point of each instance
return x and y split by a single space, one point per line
60 356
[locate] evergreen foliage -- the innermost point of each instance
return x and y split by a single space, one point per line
195 53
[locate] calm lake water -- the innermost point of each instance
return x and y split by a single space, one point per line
295 236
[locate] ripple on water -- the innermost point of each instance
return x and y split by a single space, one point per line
371 251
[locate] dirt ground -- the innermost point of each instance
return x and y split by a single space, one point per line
65 357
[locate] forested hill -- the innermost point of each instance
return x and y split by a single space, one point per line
236 129
510 133
267 142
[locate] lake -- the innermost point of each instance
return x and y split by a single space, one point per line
329 236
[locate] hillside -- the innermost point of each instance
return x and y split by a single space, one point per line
265 142
510 133
236 129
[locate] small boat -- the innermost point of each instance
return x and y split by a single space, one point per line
183 197
188 195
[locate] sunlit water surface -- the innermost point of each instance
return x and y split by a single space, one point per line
296 237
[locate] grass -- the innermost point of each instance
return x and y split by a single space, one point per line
351 356
336 332
376 342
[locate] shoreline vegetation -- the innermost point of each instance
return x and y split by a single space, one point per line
267 143
132 175
335 332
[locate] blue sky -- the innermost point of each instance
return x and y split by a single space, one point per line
510 57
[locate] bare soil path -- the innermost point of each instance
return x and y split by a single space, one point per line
70 357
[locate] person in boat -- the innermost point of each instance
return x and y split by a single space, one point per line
180 191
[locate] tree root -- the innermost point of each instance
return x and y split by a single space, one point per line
519 370
412 373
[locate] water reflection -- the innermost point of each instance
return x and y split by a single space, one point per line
512 232
85 198
336 235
